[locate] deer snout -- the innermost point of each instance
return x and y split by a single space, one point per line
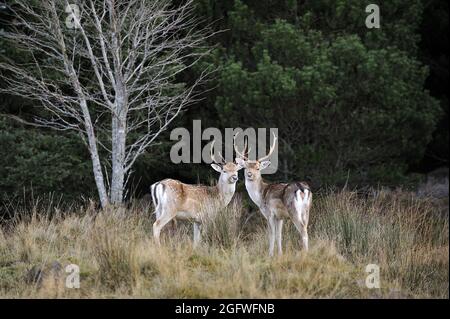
233 178
248 174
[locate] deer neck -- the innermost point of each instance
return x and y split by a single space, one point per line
225 191
255 190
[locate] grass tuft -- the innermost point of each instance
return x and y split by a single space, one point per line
407 237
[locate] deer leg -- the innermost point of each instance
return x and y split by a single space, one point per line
173 227
272 234
197 233
300 215
279 229
305 238
162 220
302 229
305 228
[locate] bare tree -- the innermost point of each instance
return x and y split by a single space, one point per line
107 69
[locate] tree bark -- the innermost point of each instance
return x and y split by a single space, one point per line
118 138
96 165
118 158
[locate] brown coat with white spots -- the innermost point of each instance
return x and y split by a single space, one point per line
176 200
277 201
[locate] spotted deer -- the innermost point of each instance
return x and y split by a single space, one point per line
175 200
276 201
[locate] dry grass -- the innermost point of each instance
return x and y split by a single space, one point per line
405 236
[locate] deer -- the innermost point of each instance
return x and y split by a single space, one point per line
276 201
175 200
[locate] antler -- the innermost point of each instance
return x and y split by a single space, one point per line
222 161
241 155
272 148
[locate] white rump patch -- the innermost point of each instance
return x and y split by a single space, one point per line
159 194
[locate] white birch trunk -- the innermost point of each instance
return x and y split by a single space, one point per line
95 158
116 58
118 159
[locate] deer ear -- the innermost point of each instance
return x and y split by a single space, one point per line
264 164
240 162
216 167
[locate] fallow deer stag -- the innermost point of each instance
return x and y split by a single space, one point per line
276 201
176 200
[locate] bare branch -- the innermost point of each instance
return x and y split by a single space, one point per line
114 78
